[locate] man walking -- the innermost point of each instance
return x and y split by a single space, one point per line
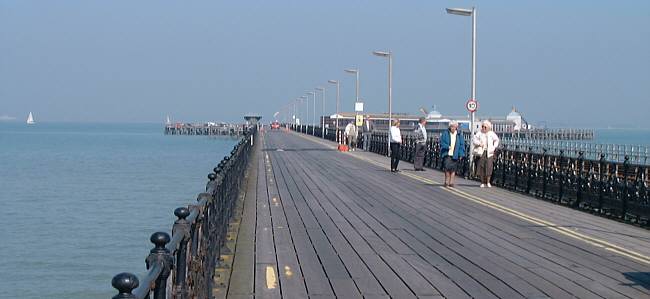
395 145
367 131
420 144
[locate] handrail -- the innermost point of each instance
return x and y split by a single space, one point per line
198 239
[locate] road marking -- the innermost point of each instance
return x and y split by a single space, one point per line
271 281
543 223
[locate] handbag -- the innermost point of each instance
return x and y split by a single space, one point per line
478 152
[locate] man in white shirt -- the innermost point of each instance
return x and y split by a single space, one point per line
420 144
395 145
346 133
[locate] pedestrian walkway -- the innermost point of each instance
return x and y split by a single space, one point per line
319 223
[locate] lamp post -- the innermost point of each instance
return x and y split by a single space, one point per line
337 105
305 99
294 113
356 83
322 127
467 13
389 55
313 122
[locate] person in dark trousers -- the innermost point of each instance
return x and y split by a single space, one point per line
420 133
367 131
395 144
452 149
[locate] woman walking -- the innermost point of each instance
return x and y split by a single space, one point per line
452 149
395 144
485 142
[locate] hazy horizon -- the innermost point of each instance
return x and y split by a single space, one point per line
565 64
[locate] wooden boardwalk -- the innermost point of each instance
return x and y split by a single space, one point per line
317 223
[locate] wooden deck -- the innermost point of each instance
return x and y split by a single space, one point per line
317 223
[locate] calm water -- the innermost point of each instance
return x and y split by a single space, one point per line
81 200
623 136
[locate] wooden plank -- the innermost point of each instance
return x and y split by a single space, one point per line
241 283
418 285
314 275
291 278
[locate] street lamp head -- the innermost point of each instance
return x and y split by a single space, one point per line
303 97
333 81
381 53
460 11
351 71
310 93
320 88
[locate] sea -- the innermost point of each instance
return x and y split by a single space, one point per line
80 200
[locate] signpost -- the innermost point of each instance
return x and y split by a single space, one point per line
471 105
359 120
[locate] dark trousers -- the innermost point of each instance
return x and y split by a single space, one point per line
418 161
394 155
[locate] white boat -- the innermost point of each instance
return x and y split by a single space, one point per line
30 119
169 122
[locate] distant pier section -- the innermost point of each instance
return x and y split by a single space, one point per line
551 134
212 128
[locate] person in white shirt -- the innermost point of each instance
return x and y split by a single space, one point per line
347 132
395 145
352 138
485 142
420 134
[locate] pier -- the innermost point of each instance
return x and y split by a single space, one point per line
289 216
204 129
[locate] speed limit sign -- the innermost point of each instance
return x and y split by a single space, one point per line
472 105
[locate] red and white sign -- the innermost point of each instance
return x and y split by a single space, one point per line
472 105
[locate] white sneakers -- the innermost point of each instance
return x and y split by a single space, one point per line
482 185
488 185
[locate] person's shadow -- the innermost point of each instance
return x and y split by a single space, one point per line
638 279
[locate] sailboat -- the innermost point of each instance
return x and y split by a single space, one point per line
168 122
30 119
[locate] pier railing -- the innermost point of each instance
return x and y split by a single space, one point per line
637 154
187 260
598 179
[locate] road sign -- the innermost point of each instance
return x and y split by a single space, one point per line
359 122
472 105
358 106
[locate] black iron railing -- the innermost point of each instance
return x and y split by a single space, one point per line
190 256
604 186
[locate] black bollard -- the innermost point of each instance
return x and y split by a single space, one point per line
125 283
181 226
160 255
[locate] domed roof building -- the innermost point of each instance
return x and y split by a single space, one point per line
434 114
516 118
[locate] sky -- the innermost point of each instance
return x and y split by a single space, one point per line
560 63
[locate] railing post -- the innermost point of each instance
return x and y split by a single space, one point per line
159 254
529 169
562 177
125 283
626 195
181 226
601 182
579 179
545 171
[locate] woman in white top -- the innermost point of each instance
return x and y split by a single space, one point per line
485 142
395 145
